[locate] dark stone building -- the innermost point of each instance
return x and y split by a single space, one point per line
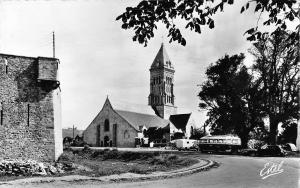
30 111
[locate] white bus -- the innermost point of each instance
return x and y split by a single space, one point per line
217 143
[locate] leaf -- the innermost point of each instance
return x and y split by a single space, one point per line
197 28
243 9
230 2
211 24
183 42
119 17
134 38
247 5
124 26
250 31
221 6
258 6
251 38
291 17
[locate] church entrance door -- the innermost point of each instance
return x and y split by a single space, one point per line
106 141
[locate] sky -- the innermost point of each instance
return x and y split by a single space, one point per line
99 59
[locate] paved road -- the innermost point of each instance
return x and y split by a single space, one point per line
234 171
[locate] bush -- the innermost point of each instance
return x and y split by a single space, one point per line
156 153
172 157
66 156
97 153
158 160
113 154
137 170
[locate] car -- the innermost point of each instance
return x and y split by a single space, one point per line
248 152
289 147
271 150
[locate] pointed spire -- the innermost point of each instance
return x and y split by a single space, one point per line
162 59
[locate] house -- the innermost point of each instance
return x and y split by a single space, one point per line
71 132
182 123
30 111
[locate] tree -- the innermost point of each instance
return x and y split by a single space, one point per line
230 98
197 134
144 17
277 76
289 133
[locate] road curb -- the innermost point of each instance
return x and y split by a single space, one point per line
121 177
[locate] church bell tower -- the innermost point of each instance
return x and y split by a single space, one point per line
161 97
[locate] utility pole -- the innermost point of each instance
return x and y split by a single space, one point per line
73 132
53 43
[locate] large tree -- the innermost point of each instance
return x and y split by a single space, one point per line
144 17
277 73
289 133
230 98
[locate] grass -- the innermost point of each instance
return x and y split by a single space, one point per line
107 162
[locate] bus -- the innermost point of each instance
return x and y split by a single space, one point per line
220 143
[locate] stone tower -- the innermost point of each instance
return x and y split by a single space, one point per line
161 97
30 108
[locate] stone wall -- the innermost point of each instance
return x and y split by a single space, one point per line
95 132
27 129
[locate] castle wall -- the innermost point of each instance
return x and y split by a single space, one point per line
28 118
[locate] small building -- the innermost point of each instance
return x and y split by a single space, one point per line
182 123
115 127
30 111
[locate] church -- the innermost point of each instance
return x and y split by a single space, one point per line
120 126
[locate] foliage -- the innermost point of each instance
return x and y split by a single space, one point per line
197 134
154 133
230 98
277 76
289 134
144 17
107 162
66 156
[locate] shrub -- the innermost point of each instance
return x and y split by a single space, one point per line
158 160
113 154
66 156
95 154
156 153
137 170
172 157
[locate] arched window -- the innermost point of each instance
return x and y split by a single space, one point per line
126 134
106 125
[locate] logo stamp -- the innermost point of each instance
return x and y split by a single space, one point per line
271 169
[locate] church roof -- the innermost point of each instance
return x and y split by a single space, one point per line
162 59
139 119
125 106
180 120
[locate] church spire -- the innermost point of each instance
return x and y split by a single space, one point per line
161 97
162 59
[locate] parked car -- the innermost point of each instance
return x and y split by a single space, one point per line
271 150
248 152
289 147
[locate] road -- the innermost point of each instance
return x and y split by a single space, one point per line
234 171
